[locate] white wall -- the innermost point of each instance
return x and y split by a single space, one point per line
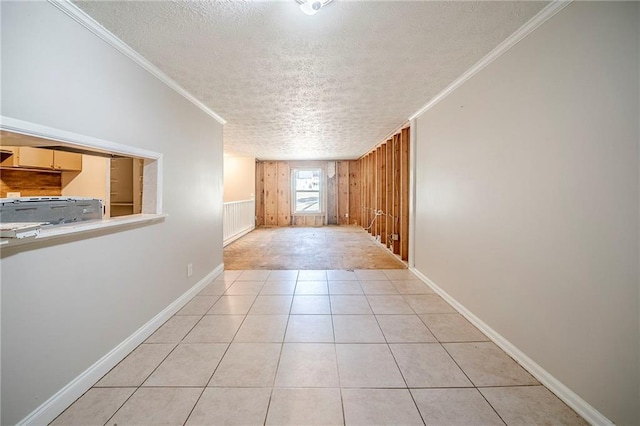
527 200
66 305
239 178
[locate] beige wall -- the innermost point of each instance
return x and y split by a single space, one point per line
92 181
527 200
239 178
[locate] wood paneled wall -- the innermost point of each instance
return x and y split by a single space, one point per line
372 192
273 189
273 193
384 193
355 190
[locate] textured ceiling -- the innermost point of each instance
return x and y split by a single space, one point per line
328 86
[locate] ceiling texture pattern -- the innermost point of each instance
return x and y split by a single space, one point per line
328 86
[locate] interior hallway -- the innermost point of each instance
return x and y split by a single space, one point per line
318 347
327 247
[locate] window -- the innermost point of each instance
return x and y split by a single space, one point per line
307 190
44 168
78 167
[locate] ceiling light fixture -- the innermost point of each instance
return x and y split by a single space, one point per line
311 7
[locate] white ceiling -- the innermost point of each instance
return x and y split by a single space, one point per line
328 86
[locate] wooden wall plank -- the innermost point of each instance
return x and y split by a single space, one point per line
270 193
342 172
372 192
389 218
364 174
354 193
283 194
331 208
404 195
378 190
352 197
313 220
363 192
259 193
382 191
367 191
396 191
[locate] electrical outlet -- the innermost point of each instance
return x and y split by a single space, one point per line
395 237
13 195
189 269
346 215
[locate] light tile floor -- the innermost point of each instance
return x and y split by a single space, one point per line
366 347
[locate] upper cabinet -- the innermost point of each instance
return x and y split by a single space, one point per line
40 158
68 161
33 157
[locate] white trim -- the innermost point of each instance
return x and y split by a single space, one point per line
582 407
233 219
89 23
152 196
37 130
539 19
55 405
237 236
76 228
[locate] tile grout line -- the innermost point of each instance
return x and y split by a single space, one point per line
472 382
275 375
232 339
400 370
119 408
143 381
205 386
226 350
219 362
335 351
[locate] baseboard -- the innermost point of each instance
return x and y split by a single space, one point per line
237 236
55 405
569 397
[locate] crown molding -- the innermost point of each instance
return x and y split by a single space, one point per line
92 25
540 18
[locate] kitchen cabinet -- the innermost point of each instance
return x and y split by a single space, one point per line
40 158
68 161
25 156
